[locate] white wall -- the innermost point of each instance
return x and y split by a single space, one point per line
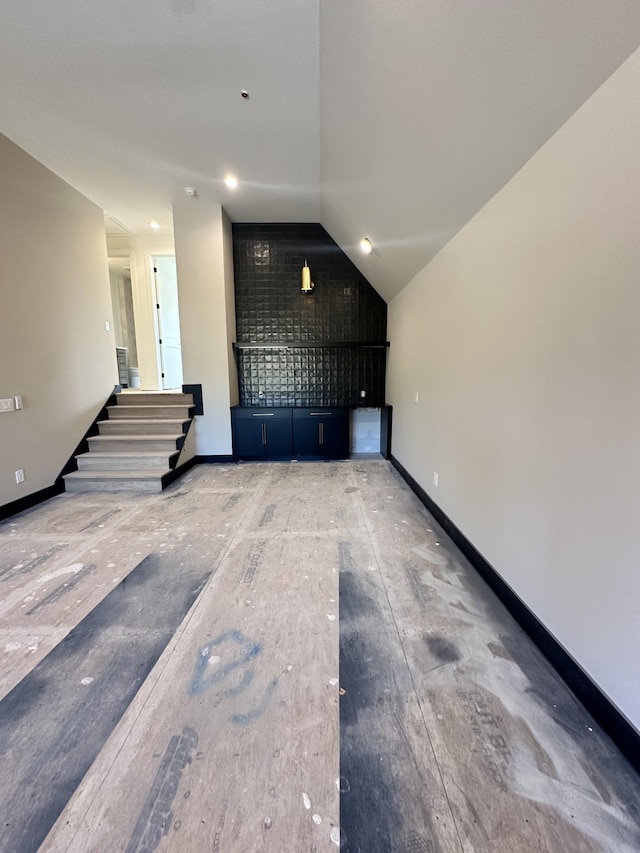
522 338
206 309
54 301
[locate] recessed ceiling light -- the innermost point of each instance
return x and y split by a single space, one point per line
231 181
190 191
245 94
155 225
365 245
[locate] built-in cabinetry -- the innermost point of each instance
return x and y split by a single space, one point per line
260 433
290 433
321 432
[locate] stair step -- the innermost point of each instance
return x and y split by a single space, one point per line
123 461
142 426
164 412
137 446
135 443
154 398
115 481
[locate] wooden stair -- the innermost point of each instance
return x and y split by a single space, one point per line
137 446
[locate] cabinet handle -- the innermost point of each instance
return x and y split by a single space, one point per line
320 433
263 415
318 414
264 433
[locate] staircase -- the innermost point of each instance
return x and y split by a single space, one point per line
137 446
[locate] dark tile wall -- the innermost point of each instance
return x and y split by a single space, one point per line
270 309
318 376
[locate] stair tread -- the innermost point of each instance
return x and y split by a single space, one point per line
135 436
126 454
140 474
145 421
131 392
149 407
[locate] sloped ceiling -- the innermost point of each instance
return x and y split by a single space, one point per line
428 107
393 120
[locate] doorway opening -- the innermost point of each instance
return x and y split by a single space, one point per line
123 321
169 343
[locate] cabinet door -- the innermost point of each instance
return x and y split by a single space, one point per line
277 436
248 438
334 435
306 436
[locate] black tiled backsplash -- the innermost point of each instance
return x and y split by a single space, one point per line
318 376
270 308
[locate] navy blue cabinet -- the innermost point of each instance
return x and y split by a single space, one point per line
287 433
261 433
321 432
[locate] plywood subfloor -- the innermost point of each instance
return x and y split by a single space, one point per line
342 678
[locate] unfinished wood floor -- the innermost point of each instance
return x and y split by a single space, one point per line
281 657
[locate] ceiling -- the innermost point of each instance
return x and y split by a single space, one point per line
398 121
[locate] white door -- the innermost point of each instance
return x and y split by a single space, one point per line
164 267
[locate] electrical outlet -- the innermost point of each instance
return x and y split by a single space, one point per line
363 394
416 399
107 326
18 402
7 405
20 475
435 478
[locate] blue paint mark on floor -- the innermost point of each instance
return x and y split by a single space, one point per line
207 672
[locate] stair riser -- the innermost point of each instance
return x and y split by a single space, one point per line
150 399
149 412
116 427
119 463
98 485
134 445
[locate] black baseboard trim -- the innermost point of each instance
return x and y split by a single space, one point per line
31 500
177 472
83 445
613 722
57 488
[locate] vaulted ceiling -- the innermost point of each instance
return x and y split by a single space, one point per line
395 120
